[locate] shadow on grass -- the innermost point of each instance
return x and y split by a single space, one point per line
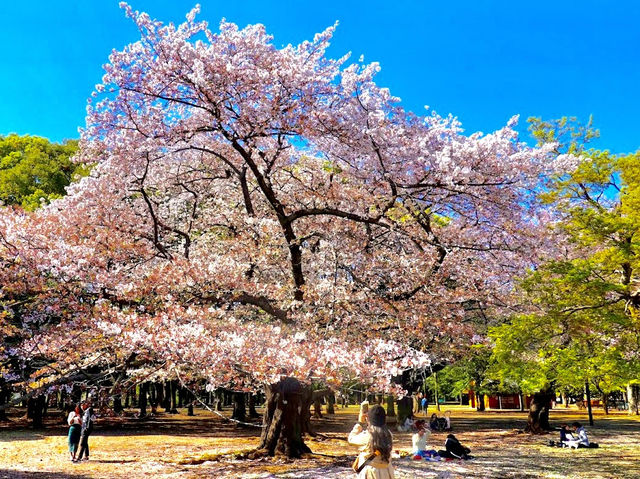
161 424
9 474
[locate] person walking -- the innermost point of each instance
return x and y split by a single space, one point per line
75 426
88 420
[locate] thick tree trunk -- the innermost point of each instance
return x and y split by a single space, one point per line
605 403
239 408
538 420
479 402
286 418
391 411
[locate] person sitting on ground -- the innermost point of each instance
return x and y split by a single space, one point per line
433 422
407 425
440 423
565 436
579 437
419 440
374 460
454 450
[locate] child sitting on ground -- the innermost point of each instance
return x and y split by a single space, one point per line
419 440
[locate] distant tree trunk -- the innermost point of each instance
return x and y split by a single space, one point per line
632 398
219 400
605 402
479 402
159 387
587 392
239 408
521 399
181 397
538 420
253 414
331 402
4 400
167 397
142 399
117 404
153 398
391 411
286 418
317 407
35 410
174 386
190 400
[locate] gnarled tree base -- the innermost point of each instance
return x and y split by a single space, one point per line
538 420
286 418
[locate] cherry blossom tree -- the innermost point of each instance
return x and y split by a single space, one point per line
264 215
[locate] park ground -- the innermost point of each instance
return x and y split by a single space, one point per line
179 446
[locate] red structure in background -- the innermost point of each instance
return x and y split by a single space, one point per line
500 401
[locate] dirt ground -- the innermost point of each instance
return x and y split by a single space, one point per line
178 446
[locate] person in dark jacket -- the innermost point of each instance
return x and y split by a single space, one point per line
454 450
88 420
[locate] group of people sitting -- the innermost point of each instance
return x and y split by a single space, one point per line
436 423
452 447
374 437
574 437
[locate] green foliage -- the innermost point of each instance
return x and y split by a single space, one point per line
586 324
465 374
32 170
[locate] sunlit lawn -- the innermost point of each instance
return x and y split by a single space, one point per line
205 446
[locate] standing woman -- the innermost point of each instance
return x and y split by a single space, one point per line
75 427
374 461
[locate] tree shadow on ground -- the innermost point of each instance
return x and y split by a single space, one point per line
9 474
152 425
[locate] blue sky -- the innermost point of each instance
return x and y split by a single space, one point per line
482 61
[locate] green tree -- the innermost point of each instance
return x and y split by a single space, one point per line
32 169
585 325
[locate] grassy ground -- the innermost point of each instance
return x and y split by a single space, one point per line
172 446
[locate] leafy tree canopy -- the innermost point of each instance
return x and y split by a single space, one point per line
582 323
32 169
